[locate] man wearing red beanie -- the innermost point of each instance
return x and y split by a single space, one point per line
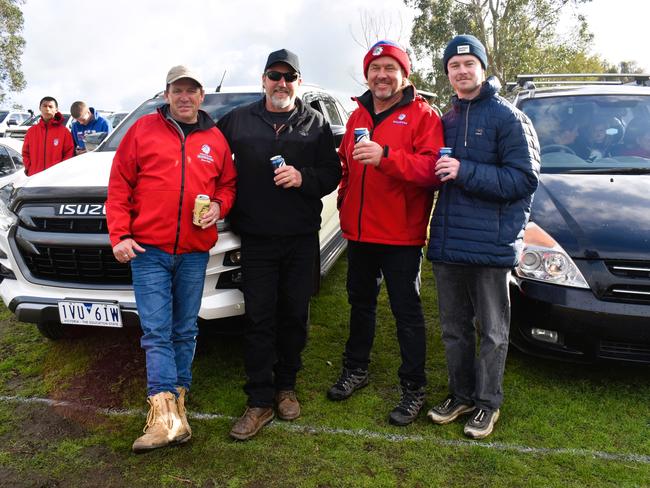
385 199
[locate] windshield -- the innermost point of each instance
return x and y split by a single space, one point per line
593 133
3 115
215 104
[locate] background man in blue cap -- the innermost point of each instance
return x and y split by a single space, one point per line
277 214
476 233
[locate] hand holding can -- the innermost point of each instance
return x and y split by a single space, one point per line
444 152
201 206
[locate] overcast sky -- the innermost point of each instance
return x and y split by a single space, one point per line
115 55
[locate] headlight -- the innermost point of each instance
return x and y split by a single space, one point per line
7 218
543 259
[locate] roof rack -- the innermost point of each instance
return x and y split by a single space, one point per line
529 81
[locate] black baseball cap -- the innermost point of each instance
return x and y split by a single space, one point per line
283 56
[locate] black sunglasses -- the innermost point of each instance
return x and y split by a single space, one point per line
277 75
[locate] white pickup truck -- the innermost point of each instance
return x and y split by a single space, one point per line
56 263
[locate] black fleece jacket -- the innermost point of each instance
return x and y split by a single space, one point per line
305 142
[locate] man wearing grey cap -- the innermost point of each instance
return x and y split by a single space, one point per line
164 161
277 214
477 231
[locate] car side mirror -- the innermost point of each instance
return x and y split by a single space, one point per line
338 131
93 140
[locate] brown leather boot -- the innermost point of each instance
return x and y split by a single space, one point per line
251 422
163 427
182 413
288 407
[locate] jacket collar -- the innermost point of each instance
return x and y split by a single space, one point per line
56 120
205 121
489 88
299 113
409 94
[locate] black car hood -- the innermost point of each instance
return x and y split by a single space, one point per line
596 216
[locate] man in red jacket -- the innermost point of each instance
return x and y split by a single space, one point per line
48 142
385 200
164 161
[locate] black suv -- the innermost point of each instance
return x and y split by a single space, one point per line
582 289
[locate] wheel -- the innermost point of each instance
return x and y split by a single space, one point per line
52 330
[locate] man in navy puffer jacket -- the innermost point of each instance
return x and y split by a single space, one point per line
476 233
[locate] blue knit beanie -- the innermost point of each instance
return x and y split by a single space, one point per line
464 44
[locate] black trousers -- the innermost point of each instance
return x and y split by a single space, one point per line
278 277
368 264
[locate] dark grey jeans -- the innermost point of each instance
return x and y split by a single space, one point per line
466 293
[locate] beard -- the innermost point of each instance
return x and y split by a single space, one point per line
281 102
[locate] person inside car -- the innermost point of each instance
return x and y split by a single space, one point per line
637 138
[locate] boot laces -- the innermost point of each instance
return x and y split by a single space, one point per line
411 401
151 416
347 380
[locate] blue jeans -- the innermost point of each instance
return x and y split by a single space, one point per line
474 300
368 265
168 291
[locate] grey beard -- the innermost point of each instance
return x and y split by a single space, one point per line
280 103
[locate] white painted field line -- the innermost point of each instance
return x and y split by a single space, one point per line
359 433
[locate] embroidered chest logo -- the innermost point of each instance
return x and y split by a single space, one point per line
205 155
478 132
400 120
55 142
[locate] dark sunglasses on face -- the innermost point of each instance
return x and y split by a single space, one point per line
276 75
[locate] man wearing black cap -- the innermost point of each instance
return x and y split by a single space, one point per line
476 233
277 214
385 200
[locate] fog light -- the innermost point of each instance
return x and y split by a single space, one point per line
545 335
232 258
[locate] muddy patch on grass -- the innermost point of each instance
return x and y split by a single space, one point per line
117 364
36 433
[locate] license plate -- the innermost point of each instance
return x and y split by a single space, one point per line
90 313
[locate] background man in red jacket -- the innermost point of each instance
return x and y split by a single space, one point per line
48 142
164 161
385 199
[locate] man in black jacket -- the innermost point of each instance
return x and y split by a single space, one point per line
277 214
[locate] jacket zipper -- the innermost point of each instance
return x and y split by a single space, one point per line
45 147
467 121
180 199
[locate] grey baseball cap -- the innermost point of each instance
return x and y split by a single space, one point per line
180 71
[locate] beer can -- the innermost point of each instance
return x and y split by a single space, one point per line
446 151
277 161
361 134
201 207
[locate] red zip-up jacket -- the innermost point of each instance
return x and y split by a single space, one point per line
157 174
391 203
46 145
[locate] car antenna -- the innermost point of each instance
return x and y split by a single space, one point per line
221 82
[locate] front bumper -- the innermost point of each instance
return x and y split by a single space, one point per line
588 329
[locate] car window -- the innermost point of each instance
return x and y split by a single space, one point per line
215 104
6 164
332 112
592 133
3 115
17 157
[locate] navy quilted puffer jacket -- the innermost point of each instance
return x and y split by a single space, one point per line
480 216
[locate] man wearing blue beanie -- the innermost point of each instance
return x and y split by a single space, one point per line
476 233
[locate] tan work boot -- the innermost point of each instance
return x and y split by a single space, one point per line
251 422
287 404
182 413
164 426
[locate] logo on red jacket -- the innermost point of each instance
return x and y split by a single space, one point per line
205 155
55 142
400 120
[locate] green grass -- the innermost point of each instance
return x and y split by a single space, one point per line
569 410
